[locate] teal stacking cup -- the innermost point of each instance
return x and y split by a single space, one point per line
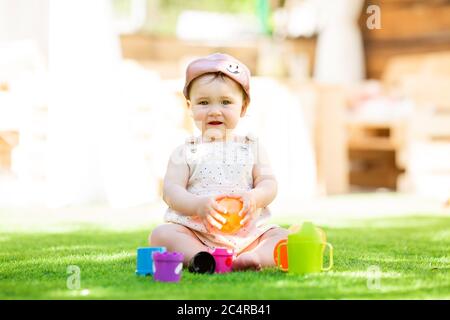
144 260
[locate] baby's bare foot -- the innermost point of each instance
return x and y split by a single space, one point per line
247 260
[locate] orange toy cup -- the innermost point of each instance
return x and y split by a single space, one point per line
280 254
233 207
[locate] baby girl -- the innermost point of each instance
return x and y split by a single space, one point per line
217 164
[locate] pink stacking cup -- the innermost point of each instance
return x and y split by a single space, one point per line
224 260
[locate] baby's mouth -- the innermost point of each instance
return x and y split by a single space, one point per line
215 123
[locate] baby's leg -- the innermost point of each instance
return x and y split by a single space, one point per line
260 254
177 238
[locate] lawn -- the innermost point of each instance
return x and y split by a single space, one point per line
412 254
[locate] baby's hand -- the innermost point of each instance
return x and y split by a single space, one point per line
249 205
208 210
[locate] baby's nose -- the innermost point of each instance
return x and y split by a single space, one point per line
214 110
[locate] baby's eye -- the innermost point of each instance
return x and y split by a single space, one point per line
203 103
226 102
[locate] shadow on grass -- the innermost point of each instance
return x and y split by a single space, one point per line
410 252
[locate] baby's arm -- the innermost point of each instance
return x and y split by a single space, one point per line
264 181
264 190
175 181
180 199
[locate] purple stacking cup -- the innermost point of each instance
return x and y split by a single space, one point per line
168 266
224 260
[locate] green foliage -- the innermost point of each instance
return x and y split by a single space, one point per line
231 6
163 14
121 7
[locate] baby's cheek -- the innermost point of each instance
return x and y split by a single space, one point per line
199 118
233 118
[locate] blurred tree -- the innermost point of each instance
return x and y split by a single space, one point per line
264 16
162 15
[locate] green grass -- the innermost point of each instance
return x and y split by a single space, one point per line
411 252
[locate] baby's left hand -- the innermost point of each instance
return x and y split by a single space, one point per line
249 205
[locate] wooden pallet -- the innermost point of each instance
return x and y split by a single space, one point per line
373 169
8 140
374 147
428 160
330 139
375 135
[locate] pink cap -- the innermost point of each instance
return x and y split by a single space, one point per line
219 62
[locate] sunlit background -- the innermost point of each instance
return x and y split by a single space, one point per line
350 97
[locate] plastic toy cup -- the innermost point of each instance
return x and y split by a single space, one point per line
281 252
202 262
302 253
144 260
224 259
168 266
280 255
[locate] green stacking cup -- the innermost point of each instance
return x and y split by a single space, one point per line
305 251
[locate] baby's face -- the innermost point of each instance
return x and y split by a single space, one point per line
216 103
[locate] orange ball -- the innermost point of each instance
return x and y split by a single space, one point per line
233 207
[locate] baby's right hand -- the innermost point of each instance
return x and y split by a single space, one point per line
208 210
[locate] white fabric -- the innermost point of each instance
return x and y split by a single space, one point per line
92 153
220 168
339 53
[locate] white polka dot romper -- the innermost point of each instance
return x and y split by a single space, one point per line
217 168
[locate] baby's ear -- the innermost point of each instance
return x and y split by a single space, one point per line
189 106
244 108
